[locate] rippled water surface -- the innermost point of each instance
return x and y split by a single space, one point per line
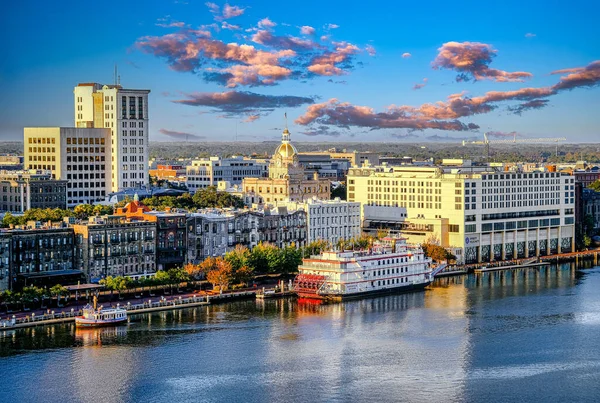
529 335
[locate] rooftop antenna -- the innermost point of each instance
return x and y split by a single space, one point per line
115 75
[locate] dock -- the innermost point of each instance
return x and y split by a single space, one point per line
511 267
132 309
272 294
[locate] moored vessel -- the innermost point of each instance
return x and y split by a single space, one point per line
389 266
95 317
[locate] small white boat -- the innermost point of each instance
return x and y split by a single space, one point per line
96 317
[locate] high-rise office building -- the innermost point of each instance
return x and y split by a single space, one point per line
79 156
125 113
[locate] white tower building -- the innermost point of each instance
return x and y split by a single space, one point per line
125 113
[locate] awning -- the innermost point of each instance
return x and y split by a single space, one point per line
83 287
53 273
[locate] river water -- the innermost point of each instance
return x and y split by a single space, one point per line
526 335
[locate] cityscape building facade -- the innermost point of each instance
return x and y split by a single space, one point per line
282 227
82 157
492 215
125 113
115 246
171 232
329 220
214 232
23 190
42 255
206 172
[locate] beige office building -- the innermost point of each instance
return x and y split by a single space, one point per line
79 156
491 215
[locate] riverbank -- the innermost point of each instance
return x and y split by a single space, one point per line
163 304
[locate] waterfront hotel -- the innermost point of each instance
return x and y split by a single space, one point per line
481 213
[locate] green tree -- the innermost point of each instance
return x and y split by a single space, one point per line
58 291
210 197
177 276
100 209
31 295
259 257
115 284
12 300
83 211
9 220
315 248
595 185
291 259
238 257
161 278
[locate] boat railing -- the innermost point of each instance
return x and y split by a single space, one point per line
438 269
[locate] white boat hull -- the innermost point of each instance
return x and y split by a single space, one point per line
83 322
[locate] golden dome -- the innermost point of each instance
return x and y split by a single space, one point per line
286 150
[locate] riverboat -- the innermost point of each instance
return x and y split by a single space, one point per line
389 266
96 317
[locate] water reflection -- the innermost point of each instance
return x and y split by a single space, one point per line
463 338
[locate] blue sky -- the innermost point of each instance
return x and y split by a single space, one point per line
215 69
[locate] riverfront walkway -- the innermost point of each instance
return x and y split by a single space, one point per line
30 319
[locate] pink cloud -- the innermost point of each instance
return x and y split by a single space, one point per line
232 64
232 11
227 13
307 30
530 35
331 26
266 38
266 23
226 25
472 60
588 76
445 115
258 74
325 64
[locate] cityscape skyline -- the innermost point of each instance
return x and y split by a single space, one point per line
227 71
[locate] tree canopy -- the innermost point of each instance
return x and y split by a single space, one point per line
595 185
